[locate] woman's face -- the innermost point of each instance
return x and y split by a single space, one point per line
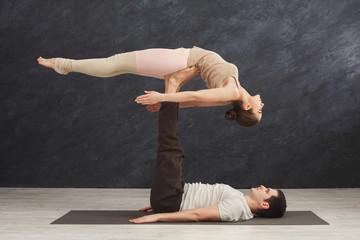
256 105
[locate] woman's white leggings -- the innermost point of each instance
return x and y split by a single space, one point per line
155 62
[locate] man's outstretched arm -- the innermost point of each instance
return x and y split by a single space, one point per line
192 215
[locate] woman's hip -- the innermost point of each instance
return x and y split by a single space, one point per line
158 62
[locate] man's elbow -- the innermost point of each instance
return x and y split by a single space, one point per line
203 216
197 217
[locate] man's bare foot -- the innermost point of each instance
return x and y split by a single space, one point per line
174 81
50 63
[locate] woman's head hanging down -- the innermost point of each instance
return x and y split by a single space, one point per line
246 113
176 66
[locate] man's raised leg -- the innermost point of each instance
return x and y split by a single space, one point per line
168 185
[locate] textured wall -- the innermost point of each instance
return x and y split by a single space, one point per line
303 57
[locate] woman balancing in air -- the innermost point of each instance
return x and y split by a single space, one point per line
220 76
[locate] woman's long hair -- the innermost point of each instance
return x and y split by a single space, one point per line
245 118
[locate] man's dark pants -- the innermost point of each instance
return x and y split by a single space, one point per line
168 185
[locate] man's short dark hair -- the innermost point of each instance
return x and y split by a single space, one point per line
277 206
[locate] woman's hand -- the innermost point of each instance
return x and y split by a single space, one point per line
150 98
154 107
146 219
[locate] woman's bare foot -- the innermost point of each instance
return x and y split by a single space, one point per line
50 63
174 81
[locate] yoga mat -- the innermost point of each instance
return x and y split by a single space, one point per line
123 217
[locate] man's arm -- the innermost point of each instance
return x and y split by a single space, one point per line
192 215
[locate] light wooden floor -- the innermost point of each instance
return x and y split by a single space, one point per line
26 213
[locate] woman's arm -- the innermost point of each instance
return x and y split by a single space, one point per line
202 104
193 215
156 107
222 94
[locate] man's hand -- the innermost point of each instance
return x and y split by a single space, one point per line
191 215
151 97
146 219
147 209
154 107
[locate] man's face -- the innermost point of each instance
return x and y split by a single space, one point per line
261 193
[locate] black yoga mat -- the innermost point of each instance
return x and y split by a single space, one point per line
123 217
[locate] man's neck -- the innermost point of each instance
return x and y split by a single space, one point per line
251 203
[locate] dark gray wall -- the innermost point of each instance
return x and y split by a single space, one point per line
80 131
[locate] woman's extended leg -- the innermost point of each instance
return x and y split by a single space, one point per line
98 67
156 62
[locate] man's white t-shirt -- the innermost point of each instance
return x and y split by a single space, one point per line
231 202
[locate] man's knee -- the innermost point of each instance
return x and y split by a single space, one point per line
165 205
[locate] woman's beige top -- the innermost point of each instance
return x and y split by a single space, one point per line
213 68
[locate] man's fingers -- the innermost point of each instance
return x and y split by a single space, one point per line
134 221
137 220
146 208
153 108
